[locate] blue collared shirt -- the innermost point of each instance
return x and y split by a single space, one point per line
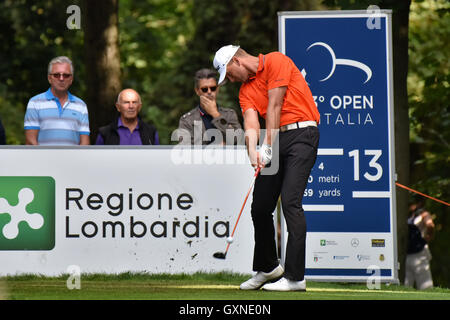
57 125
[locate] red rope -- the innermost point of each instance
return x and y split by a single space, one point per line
422 194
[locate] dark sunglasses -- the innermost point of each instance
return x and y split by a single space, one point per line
58 75
205 89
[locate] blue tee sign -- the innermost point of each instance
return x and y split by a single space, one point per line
349 203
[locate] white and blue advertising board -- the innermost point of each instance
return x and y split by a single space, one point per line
349 203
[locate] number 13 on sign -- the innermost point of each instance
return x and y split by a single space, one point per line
372 163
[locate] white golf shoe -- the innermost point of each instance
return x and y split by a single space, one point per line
285 285
260 278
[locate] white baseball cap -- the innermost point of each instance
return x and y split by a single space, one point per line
221 59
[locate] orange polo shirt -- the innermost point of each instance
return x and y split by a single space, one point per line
277 70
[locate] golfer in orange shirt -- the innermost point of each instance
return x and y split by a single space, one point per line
273 87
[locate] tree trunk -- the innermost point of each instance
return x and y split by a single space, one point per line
400 22
101 43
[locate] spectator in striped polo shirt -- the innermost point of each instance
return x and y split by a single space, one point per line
56 117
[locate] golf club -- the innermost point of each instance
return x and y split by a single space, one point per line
222 255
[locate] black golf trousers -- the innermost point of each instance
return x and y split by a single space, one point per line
297 155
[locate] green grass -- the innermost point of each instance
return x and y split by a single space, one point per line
199 286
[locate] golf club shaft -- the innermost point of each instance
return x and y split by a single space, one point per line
243 205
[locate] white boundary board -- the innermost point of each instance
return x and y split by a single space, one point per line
150 209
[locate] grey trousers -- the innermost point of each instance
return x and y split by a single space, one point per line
418 270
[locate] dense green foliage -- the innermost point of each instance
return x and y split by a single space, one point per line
429 96
162 44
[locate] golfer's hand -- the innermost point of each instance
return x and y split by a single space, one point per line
254 158
264 155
